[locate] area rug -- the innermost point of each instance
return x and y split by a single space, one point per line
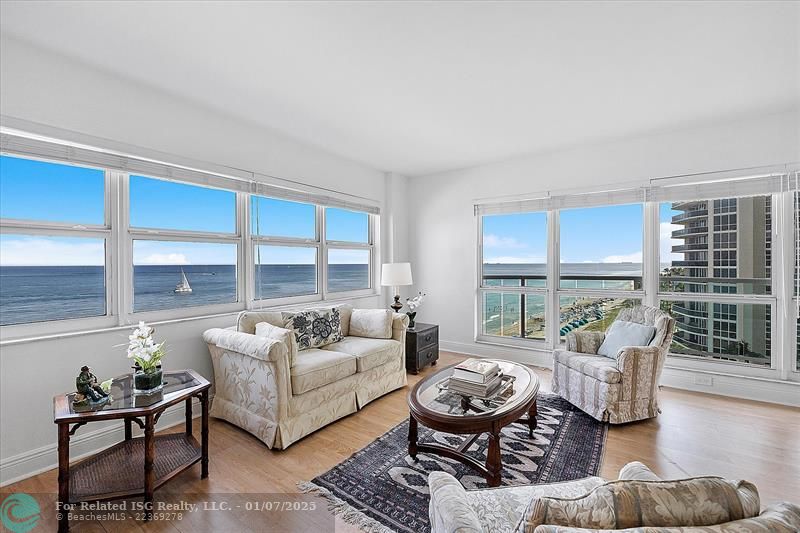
380 488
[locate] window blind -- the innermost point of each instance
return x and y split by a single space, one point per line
731 184
240 181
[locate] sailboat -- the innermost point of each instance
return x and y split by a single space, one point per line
183 287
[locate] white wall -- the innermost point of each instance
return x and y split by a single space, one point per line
443 232
54 91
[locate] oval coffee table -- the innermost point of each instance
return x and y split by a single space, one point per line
451 413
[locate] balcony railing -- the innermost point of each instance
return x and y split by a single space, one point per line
695 213
694 230
618 282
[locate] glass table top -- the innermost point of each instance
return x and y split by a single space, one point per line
433 395
122 396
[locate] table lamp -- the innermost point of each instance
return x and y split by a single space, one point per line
394 275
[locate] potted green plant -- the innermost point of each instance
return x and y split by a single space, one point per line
147 355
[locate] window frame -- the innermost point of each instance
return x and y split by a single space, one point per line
9 226
785 253
118 238
347 245
523 291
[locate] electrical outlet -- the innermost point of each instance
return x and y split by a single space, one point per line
703 380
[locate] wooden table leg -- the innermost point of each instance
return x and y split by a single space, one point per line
128 429
494 464
412 437
189 416
149 457
204 434
532 423
63 477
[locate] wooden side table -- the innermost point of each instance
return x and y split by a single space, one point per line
132 467
422 346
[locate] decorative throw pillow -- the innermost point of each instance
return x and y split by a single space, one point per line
621 334
314 328
265 329
694 502
372 323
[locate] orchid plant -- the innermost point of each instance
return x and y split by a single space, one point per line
416 301
143 349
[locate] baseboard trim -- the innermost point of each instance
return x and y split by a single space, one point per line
759 389
33 462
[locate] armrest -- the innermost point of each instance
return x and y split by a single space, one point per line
585 341
399 326
449 510
637 471
263 348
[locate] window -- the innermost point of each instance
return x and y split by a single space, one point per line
514 254
106 240
348 240
348 270
731 254
601 248
728 255
174 274
167 205
283 271
732 332
51 278
270 217
53 246
184 245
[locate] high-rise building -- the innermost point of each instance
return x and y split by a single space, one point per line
726 247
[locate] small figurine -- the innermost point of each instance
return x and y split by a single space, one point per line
87 385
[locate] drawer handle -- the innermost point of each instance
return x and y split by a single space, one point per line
429 337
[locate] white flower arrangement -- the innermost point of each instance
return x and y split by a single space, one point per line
143 349
416 301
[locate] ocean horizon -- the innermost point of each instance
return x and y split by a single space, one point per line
42 293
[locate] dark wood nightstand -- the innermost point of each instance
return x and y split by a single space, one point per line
422 346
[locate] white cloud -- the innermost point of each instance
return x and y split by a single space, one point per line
164 259
496 241
635 257
43 251
515 259
667 242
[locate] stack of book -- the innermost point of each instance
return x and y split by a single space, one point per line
474 377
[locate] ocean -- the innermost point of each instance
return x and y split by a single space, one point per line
40 293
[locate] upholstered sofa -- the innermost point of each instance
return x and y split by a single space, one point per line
513 509
280 395
621 388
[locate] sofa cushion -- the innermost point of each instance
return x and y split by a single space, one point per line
315 368
369 353
314 328
371 323
601 368
623 333
700 501
265 329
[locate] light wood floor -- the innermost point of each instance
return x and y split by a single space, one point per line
696 434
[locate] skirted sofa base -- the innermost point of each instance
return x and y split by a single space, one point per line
253 381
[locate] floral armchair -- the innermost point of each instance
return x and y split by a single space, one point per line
614 389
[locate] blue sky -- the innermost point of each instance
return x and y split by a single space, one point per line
610 234
35 190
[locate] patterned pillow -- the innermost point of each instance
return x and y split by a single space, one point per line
314 328
700 501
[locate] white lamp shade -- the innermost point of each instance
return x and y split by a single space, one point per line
396 274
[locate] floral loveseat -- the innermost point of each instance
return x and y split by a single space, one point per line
281 394
638 497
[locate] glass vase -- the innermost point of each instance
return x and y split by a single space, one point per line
147 382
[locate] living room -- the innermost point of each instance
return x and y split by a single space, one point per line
282 225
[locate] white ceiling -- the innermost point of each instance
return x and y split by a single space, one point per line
422 87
